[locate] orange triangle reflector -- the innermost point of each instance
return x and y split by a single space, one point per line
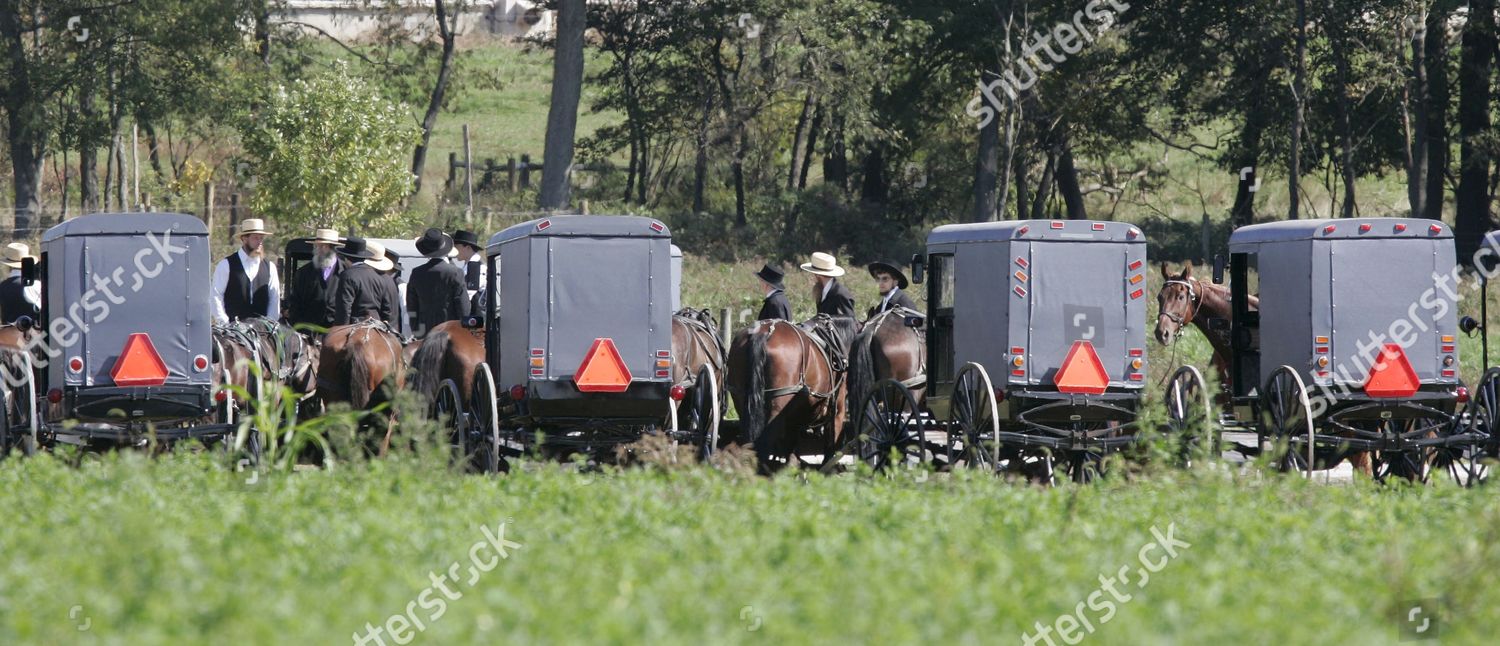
1392 375
1081 372
139 364
602 370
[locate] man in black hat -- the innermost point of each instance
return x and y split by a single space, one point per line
436 291
362 290
314 284
892 284
471 261
775 305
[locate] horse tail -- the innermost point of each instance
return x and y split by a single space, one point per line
360 390
428 363
753 418
862 366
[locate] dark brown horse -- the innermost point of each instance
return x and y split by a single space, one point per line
450 351
789 386
887 349
284 357
695 346
363 364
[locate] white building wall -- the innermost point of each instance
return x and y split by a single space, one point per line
350 20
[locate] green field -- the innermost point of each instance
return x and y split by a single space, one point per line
180 550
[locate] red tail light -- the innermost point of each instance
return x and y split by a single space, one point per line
678 393
200 363
54 395
517 392
1463 395
221 395
75 365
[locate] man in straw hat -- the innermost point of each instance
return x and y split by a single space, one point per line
833 298
892 284
363 289
315 283
17 299
245 283
775 305
436 292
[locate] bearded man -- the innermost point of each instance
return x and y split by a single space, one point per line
245 283
315 283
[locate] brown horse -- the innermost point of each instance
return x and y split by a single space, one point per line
1184 299
787 381
450 351
887 349
363 364
695 346
284 357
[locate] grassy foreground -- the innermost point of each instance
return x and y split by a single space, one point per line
178 550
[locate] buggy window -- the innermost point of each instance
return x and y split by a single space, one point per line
940 299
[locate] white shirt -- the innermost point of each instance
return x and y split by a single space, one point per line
252 271
827 287
32 292
885 302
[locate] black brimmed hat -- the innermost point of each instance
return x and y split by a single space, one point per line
354 247
772 275
434 243
467 237
889 268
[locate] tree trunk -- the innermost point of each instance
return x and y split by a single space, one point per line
1473 126
873 187
1067 183
799 141
645 177
1299 90
1008 155
88 152
439 90
987 170
26 130
1344 107
741 219
835 159
152 152
812 145
1439 93
1044 187
635 160
1419 96
562 114
1023 200
263 32
700 159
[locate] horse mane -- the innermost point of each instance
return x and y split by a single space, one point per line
862 359
753 418
428 362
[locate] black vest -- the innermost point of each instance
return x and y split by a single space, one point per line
243 300
13 303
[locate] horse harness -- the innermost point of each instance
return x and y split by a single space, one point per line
824 339
700 330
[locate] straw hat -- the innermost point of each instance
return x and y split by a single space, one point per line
326 236
823 265
253 225
14 253
380 262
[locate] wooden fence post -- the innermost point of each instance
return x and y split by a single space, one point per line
208 205
452 171
525 172
726 329
468 177
510 173
234 212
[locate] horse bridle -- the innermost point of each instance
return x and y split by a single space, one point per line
1194 300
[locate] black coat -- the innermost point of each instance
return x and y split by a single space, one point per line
775 307
436 293
13 303
900 300
364 292
839 301
311 296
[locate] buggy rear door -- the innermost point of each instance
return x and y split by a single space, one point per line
615 288
1393 296
1079 293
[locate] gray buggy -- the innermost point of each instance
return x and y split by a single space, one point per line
123 352
1035 348
578 340
1352 348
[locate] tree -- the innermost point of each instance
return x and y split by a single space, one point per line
1474 100
562 115
330 152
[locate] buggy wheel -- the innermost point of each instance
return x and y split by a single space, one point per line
706 412
1286 416
1467 460
1411 465
484 434
973 420
1190 414
889 420
447 409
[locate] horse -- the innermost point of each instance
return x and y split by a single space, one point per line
450 351
284 357
887 349
1184 299
362 363
695 346
787 380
